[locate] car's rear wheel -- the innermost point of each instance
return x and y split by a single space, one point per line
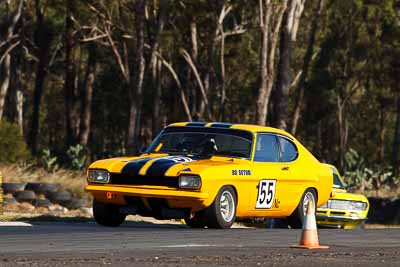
295 220
222 213
107 214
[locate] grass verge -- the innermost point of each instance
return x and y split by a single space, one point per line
73 181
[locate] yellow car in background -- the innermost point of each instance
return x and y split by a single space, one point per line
343 210
209 174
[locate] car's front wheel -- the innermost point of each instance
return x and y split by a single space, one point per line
107 214
222 213
295 220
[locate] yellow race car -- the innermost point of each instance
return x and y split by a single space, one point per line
343 210
209 174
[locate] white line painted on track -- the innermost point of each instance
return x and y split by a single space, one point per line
188 246
15 224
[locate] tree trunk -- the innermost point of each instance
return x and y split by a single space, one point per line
87 94
5 66
71 112
382 131
288 33
4 82
43 40
156 67
343 128
306 65
396 141
136 98
194 53
223 89
270 22
224 12
261 114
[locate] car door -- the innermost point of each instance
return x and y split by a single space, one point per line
292 176
264 184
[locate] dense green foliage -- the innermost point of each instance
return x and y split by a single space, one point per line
12 143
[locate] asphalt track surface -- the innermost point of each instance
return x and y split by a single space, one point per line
146 244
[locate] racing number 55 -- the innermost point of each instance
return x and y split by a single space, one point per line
266 193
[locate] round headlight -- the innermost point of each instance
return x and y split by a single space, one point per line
190 181
99 176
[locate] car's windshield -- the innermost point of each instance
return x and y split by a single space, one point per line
337 182
221 142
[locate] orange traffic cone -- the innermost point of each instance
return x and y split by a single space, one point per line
309 234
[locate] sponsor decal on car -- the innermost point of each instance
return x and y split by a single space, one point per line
266 194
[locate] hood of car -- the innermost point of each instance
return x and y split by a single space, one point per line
343 194
162 164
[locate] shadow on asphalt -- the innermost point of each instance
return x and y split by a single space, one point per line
89 222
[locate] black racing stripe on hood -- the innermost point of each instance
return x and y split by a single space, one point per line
161 166
132 168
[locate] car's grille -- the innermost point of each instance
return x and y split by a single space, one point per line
340 204
338 213
123 179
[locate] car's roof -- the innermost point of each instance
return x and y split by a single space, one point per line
332 167
247 127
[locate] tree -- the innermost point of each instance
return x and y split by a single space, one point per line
289 30
270 19
87 95
136 96
299 92
71 82
9 40
43 39
157 23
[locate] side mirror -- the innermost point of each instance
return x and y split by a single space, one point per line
143 149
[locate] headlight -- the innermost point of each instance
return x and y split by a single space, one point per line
347 205
190 181
98 176
358 205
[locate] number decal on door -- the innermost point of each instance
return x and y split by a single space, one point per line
266 194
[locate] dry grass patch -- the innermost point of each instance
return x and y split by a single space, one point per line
73 181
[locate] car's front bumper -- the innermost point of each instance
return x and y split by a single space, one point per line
178 198
346 220
148 191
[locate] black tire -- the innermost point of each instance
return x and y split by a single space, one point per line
60 197
75 203
49 188
295 220
33 187
42 203
25 196
107 214
13 187
213 216
42 188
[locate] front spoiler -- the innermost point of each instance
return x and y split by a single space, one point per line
148 191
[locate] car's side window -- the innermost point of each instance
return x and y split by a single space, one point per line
288 150
267 149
